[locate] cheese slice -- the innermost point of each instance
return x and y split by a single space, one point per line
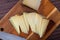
38 23
43 27
32 3
31 21
15 23
25 18
23 24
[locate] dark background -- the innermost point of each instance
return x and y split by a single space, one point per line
5 6
56 3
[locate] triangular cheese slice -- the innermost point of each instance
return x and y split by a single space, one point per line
32 3
23 24
38 23
43 27
15 23
31 21
25 18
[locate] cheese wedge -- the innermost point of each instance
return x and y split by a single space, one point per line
23 24
35 4
43 27
15 23
31 21
25 18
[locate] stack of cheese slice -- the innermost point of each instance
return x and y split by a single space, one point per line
37 23
35 4
18 21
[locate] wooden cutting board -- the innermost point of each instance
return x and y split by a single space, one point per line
19 8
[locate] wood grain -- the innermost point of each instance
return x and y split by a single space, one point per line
17 9
46 7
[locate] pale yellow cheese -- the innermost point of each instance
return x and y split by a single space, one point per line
43 27
25 19
15 23
32 3
31 21
23 24
38 23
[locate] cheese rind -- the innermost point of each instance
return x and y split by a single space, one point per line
32 3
